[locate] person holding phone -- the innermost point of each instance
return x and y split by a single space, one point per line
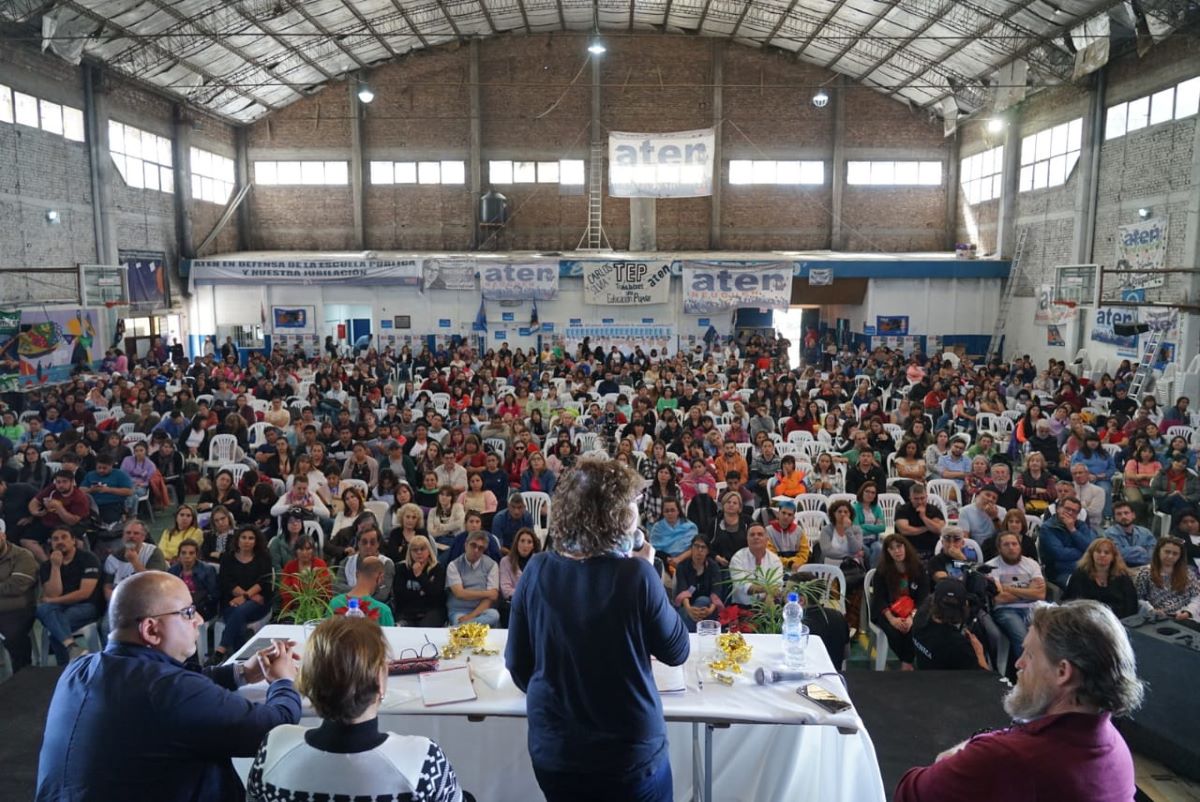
587 616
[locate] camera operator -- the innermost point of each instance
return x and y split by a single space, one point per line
940 635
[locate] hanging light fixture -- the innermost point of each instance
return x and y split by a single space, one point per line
820 99
365 93
596 46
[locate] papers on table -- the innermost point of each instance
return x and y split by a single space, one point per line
668 679
447 687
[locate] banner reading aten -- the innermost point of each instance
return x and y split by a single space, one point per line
506 281
1142 247
674 165
626 283
710 287
405 272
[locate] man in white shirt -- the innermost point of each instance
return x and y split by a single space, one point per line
746 561
451 473
1090 495
979 519
136 557
1019 583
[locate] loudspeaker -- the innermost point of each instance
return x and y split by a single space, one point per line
1130 329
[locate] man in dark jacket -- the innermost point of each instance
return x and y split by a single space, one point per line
188 724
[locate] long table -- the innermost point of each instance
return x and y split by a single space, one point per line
739 742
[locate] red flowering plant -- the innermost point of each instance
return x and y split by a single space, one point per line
735 619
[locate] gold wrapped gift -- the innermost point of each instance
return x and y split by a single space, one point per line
473 636
735 652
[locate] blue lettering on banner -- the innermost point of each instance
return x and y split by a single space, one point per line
714 287
868 330
523 331
647 320
385 324
547 327
516 282
507 317
443 323
502 335
607 320
575 321
703 322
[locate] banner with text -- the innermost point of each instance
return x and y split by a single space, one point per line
405 272
517 281
1106 317
1142 248
625 337
713 287
626 282
450 274
1049 313
671 165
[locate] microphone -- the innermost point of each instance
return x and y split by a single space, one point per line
764 676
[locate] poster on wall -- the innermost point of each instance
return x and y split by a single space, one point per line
714 287
892 324
1106 318
1142 248
626 282
146 277
293 320
10 360
51 342
519 281
449 274
671 165
1049 313
662 338
1054 336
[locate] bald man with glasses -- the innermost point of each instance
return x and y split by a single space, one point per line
178 728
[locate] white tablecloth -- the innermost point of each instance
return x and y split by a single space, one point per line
762 756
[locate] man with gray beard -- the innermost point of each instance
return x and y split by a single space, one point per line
1077 671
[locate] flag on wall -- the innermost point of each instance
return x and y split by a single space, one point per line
534 325
480 323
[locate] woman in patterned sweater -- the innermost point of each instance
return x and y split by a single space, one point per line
347 757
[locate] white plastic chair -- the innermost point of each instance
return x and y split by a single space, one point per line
380 510
890 502
831 574
238 469
585 441
257 435
895 430
799 436
134 437
849 497
744 450
1186 432
947 489
88 635
876 637
812 501
222 449
497 445
538 505
812 522
358 484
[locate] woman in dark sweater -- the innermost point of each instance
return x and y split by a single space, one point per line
246 587
899 575
588 615
419 590
1103 576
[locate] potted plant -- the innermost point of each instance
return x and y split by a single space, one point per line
765 614
308 593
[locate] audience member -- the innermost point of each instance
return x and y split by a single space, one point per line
18 593
473 584
419 590
72 596
1102 576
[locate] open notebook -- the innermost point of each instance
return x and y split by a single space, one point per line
446 687
668 679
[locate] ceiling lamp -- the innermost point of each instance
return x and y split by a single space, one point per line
596 47
995 125
365 93
821 99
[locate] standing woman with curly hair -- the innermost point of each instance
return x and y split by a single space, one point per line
587 615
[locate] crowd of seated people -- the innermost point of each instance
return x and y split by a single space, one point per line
418 483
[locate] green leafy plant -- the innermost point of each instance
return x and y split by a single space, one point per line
766 611
310 592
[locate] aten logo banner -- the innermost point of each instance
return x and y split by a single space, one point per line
713 287
626 282
506 281
675 165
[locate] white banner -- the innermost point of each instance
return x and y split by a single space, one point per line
625 337
626 282
672 165
1142 247
1049 313
449 274
406 272
820 276
517 281
713 287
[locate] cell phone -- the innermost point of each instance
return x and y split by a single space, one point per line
826 699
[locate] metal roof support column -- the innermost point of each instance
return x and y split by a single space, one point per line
181 165
357 168
1088 192
837 98
95 121
718 114
241 162
952 190
474 140
1006 227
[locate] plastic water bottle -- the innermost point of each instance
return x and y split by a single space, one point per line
793 645
353 610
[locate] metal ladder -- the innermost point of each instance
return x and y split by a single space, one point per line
1145 368
594 238
1014 274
